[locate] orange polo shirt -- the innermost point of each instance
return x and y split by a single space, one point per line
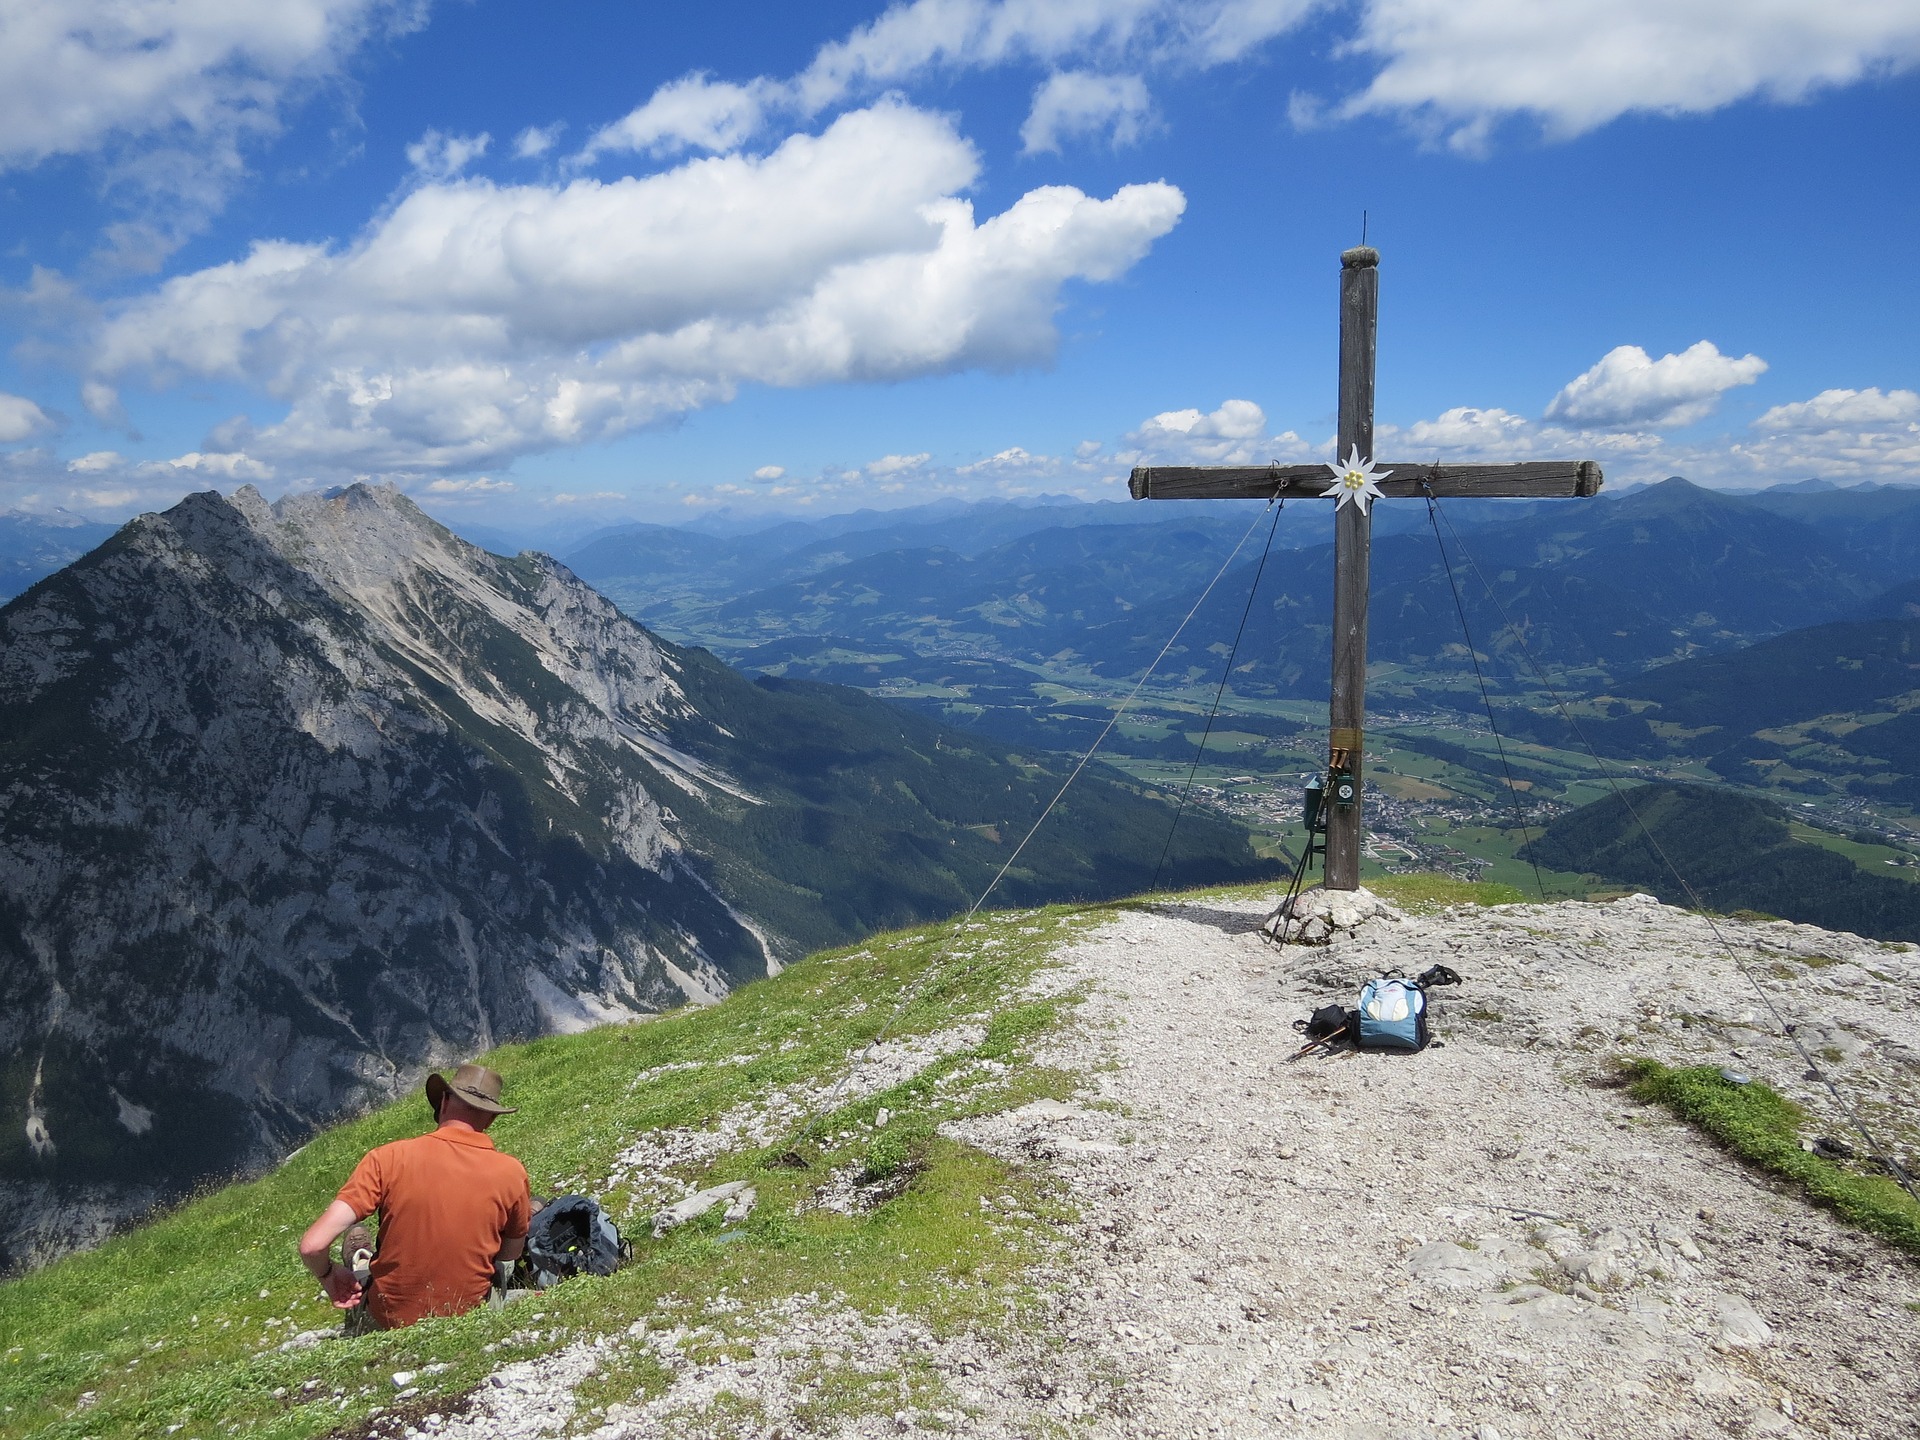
446 1201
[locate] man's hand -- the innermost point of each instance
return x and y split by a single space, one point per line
341 1288
316 1253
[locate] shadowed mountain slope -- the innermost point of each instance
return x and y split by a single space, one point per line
1801 675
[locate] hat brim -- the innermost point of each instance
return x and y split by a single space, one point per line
438 1089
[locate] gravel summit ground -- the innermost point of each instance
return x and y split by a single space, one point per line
1487 1240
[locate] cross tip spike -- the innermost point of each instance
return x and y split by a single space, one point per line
1360 257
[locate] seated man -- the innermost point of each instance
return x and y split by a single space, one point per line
450 1206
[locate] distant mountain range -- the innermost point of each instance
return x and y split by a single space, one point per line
34 546
299 799
1606 587
1768 638
1602 588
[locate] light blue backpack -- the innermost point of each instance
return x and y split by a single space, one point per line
1392 1015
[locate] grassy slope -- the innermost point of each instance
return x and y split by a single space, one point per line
177 1323
1763 1127
170 1324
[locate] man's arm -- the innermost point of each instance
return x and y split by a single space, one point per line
513 1237
316 1253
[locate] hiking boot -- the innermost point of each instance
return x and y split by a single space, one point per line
356 1252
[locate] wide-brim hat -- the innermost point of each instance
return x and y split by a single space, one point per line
475 1084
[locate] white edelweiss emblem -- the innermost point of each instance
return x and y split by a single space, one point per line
1354 481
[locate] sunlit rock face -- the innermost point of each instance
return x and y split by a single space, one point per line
297 800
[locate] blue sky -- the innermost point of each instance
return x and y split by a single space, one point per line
566 263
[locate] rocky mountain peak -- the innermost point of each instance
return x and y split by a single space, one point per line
302 798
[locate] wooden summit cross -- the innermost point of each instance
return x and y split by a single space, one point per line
1353 525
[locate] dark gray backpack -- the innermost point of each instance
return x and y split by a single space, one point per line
573 1236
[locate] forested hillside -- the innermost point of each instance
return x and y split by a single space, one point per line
1736 853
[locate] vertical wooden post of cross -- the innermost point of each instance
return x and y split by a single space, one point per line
1359 315
1353 528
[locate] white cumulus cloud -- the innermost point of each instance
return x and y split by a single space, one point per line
770 472
474 321
1577 64
1627 388
1234 420
1836 409
1840 435
1488 432
1013 458
227 464
20 418
1233 434
75 73
1074 104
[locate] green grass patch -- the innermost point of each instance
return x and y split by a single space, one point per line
179 1322
1763 1127
1424 893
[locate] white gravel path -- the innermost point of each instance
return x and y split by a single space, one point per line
1342 1247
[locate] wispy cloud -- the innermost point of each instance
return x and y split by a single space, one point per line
1075 104
1097 50
537 140
169 96
1458 67
439 156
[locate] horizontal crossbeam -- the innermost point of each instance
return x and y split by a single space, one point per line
1539 479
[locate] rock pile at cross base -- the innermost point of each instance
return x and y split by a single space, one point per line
1476 1243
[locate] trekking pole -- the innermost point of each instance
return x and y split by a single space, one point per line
1313 810
1330 1043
